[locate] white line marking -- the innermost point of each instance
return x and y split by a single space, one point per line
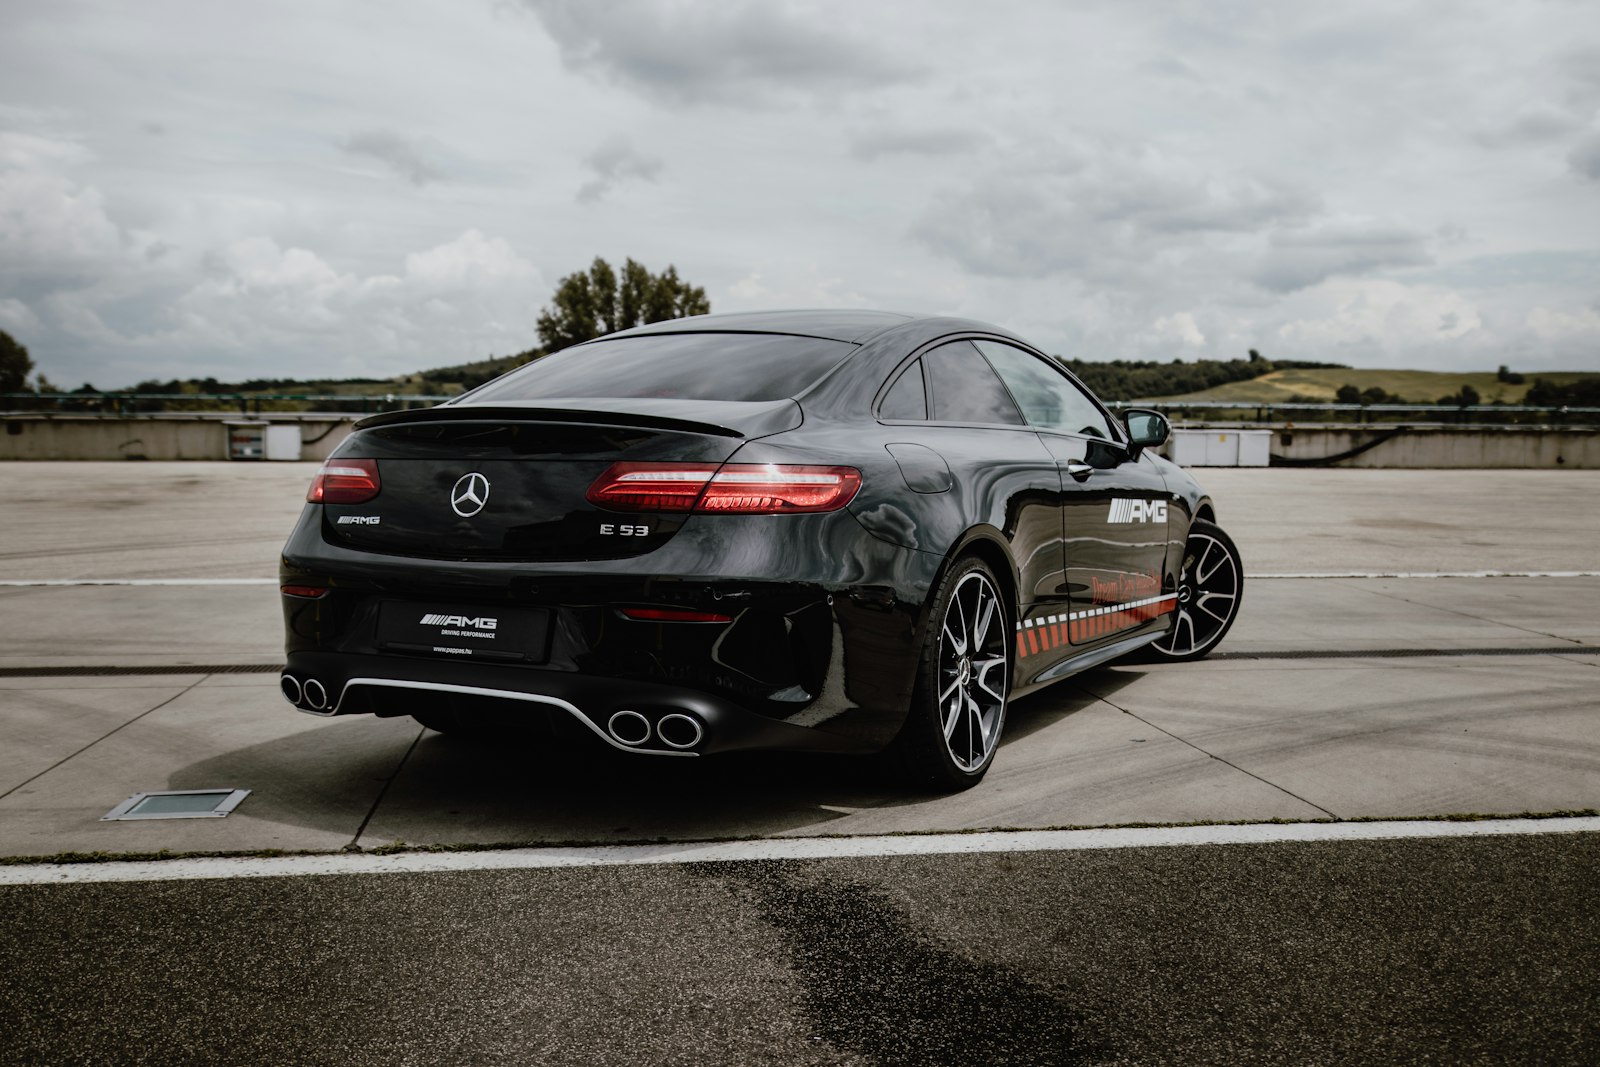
773 849
1309 575
1432 574
138 581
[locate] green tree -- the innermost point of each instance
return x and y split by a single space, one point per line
592 303
1348 394
15 366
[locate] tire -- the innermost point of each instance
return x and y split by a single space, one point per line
1210 590
958 706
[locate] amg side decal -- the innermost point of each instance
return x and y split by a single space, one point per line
1126 510
1046 632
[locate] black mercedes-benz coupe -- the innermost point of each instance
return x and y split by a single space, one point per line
830 531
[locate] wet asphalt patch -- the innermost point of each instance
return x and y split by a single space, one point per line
875 985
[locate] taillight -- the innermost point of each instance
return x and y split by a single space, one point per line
309 592
730 489
345 481
762 488
650 486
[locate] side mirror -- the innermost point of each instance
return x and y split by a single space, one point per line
1146 429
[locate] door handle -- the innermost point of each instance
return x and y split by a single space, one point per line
1078 470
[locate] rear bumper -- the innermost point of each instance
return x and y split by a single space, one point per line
345 684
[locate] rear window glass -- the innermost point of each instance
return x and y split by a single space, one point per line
689 366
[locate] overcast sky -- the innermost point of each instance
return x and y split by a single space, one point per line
373 187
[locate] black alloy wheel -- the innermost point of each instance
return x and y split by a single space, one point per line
1210 589
959 708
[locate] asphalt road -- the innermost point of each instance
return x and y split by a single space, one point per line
1333 697
1443 951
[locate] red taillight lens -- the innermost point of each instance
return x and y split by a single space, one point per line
672 615
345 481
734 488
310 592
651 486
779 488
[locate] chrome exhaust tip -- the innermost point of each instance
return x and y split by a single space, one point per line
680 731
628 728
316 697
291 689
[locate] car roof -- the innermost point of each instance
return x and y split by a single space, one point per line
833 324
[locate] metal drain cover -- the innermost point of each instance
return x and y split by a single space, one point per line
178 804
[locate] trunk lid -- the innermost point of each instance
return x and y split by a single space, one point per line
509 482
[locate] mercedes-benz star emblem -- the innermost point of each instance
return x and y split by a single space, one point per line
469 495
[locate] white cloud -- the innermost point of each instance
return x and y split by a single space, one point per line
1370 315
1181 327
1558 325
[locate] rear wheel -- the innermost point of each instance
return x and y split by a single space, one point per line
959 706
1210 589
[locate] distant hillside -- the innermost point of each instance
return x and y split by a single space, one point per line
1416 386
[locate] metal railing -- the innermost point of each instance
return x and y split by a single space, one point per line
1440 414
255 404
122 404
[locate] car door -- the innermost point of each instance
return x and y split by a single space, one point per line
1114 502
950 402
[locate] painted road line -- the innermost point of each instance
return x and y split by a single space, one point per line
1429 574
20 582
804 848
136 581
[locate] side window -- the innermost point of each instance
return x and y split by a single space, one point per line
906 398
1049 399
965 388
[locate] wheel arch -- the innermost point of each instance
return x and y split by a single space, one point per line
984 543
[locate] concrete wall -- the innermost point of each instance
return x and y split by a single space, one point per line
166 437
1445 446
154 437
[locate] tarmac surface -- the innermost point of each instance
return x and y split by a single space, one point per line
1368 695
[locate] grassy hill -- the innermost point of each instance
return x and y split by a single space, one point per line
1417 386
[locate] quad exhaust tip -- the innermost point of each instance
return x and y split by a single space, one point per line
679 731
316 697
291 689
628 728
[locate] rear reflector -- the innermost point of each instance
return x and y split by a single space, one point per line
310 592
345 481
672 615
734 488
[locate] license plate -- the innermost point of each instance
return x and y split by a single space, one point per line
504 635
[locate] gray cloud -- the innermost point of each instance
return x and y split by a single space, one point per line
742 52
871 145
1107 211
614 162
1299 259
395 151
1531 125
1585 156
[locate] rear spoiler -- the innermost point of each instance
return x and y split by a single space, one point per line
719 418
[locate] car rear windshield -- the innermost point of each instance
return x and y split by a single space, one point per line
689 366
